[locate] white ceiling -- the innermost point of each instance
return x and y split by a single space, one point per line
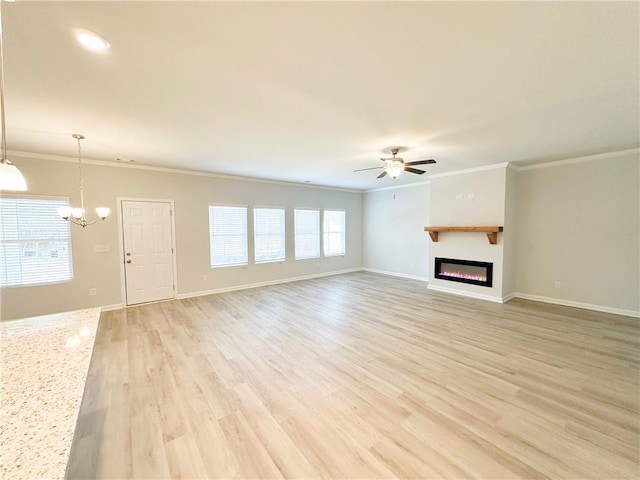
311 91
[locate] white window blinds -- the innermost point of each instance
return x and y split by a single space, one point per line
333 232
307 233
268 231
228 235
35 242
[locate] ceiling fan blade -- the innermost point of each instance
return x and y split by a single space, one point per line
363 169
413 170
420 162
382 174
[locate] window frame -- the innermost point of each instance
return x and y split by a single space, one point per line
282 236
326 233
245 259
295 233
22 242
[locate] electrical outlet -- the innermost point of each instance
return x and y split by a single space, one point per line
557 284
92 291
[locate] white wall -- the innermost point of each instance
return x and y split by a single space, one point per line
192 195
469 199
579 225
394 239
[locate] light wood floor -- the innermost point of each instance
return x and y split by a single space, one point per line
359 376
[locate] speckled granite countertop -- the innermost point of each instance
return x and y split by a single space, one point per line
44 363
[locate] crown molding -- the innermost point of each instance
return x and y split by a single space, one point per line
196 173
567 161
395 187
493 166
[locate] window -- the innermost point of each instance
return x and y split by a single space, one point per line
228 235
35 242
333 232
268 232
307 233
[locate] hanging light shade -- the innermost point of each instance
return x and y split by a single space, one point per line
10 176
77 214
394 167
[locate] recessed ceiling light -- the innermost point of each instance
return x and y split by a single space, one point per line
91 40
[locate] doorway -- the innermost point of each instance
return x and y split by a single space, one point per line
147 241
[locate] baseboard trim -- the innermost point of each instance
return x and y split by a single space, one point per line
569 303
478 296
115 306
506 298
396 274
247 286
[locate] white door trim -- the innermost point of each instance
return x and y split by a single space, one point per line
123 286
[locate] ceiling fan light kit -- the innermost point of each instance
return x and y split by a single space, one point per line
394 166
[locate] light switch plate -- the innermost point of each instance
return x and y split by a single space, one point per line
101 248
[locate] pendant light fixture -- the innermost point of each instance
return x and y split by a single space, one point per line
76 214
10 176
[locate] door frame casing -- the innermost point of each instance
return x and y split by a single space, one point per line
123 284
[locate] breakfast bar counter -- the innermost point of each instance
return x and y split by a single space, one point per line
44 363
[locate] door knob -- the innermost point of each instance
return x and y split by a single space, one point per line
128 261
128 254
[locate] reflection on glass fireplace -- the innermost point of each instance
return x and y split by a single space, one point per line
464 271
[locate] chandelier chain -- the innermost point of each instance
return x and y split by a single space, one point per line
77 215
80 171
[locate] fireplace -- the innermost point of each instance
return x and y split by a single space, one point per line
464 271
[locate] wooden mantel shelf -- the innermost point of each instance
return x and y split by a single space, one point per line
492 232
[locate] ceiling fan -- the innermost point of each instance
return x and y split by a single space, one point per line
394 166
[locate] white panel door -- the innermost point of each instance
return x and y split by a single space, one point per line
148 251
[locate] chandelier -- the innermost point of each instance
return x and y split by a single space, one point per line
75 214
